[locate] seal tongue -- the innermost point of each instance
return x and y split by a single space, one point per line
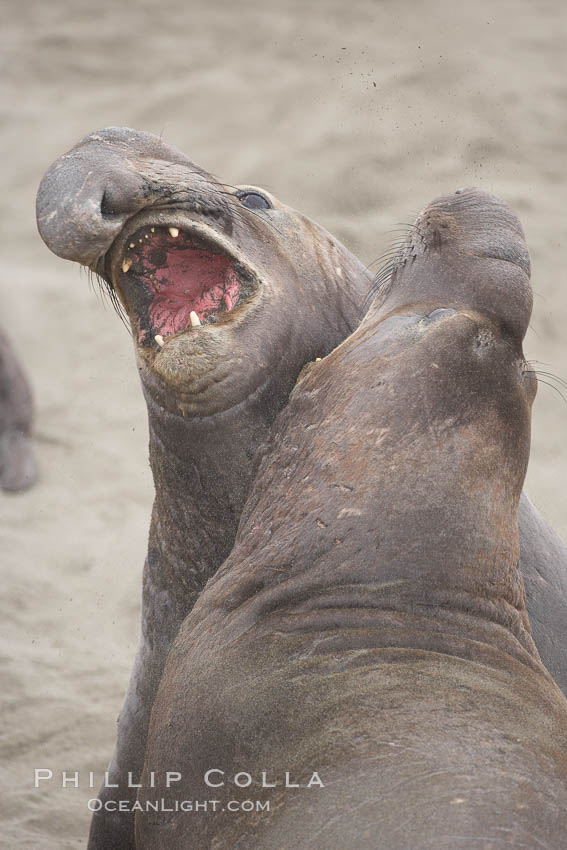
191 280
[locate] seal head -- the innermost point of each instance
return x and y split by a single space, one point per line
227 290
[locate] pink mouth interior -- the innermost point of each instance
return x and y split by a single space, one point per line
193 280
181 279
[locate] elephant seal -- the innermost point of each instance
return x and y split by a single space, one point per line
543 554
18 469
228 293
362 662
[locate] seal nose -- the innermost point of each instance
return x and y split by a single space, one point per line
86 197
465 250
89 193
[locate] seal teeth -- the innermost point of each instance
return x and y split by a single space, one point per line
159 339
194 319
126 265
174 231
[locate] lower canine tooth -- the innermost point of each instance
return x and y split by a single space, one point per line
174 231
126 265
159 339
194 319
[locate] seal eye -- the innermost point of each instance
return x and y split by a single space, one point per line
254 201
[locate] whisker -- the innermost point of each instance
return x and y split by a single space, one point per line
387 255
552 376
107 293
553 387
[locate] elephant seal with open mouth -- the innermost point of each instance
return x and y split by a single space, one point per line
370 624
229 293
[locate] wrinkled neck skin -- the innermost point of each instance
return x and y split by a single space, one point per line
201 468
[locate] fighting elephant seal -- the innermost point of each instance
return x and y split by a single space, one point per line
18 469
368 632
543 555
229 293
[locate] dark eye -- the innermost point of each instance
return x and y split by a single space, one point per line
254 201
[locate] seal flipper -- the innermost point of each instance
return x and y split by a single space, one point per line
18 470
17 465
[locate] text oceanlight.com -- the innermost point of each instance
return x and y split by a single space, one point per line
188 806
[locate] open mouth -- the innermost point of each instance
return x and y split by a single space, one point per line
173 280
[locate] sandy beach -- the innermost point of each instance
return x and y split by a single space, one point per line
357 114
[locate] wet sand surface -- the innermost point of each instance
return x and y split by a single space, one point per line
357 114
